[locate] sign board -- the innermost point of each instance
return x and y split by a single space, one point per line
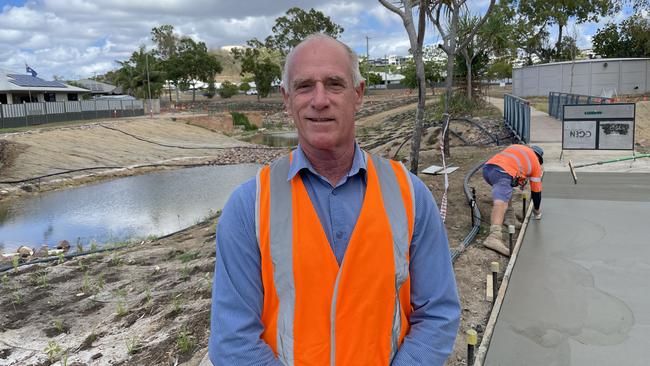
598 127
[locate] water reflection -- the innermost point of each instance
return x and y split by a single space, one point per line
151 204
283 139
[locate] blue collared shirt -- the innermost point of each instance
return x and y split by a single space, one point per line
237 293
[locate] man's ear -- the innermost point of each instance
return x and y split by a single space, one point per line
358 91
285 98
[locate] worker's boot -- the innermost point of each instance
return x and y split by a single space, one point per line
495 240
511 218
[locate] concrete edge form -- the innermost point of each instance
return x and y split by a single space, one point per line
494 314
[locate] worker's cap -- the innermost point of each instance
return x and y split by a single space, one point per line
539 152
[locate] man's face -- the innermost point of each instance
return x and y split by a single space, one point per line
322 99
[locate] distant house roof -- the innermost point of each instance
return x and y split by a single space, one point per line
10 82
97 87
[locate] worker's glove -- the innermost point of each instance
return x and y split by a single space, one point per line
537 214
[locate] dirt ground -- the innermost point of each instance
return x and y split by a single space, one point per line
149 303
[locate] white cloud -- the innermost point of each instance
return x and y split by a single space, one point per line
77 38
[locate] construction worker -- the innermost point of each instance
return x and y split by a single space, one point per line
331 255
512 167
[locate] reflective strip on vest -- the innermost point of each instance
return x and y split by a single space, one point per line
396 211
281 250
514 157
525 154
281 222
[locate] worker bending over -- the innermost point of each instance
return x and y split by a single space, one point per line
512 167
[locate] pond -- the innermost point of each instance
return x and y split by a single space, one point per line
155 204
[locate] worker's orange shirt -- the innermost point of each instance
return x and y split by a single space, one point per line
520 161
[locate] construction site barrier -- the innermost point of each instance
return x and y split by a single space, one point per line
557 101
516 115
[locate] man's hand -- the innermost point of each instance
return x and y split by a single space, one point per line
537 214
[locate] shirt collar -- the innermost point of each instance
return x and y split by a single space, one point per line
299 162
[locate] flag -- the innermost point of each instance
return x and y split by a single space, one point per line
29 70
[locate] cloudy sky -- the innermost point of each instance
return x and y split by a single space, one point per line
80 38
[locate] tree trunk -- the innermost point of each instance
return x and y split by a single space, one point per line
193 93
468 77
559 41
419 114
451 52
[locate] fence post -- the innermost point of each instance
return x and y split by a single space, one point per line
527 123
45 112
25 110
2 115
96 111
81 110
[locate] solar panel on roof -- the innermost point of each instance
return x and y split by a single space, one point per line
31 81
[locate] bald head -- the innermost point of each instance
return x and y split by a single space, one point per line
355 74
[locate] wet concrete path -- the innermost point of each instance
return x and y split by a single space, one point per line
578 293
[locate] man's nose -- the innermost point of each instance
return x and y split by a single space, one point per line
320 99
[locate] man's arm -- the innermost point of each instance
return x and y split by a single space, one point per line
237 293
436 307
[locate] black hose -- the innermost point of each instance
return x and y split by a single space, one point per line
193 147
475 212
494 138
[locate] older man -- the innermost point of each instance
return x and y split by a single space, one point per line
331 255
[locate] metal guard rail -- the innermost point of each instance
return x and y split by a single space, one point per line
557 100
516 115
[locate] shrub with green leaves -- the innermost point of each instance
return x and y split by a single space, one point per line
228 89
240 119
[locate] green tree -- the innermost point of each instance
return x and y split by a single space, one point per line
166 50
141 73
228 89
193 64
629 39
262 63
244 86
296 25
500 69
492 38
432 73
534 17
374 79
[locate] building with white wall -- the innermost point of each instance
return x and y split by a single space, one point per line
20 88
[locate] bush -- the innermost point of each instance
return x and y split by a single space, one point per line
240 119
228 89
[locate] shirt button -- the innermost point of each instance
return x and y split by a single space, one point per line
334 192
339 235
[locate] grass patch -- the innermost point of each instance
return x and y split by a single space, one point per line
240 119
185 341
188 256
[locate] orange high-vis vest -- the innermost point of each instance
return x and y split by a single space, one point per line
520 161
315 312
